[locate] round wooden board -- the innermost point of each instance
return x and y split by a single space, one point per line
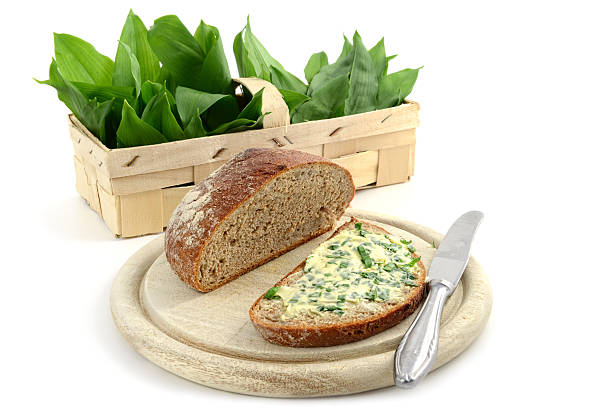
209 339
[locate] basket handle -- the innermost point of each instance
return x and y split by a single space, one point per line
272 102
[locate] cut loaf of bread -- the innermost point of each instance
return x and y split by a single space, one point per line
260 204
358 321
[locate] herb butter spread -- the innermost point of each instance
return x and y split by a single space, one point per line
355 266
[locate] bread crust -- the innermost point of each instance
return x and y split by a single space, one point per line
209 203
341 333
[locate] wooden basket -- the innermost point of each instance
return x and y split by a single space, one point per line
136 189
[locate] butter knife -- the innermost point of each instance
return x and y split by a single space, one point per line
417 350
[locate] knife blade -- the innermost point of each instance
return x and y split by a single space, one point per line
417 350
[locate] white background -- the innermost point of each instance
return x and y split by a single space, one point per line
516 109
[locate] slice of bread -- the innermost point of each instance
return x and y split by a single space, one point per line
327 325
260 204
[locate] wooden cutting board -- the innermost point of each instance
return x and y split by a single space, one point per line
208 338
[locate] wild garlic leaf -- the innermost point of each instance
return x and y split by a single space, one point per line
285 80
346 48
195 128
105 92
166 78
133 131
327 102
253 109
158 113
134 67
314 65
363 83
224 110
189 101
394 88
293 99
116 94
340 68
149 90
215 75
89 111
178 50
243 62
79 61
238 125
379 58
134 36
253 59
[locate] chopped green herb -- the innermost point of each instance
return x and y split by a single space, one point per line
371 295
433 244
388 267
414 261
326 308
341 298
333 246
343 265
271 293
358 226
403 241
365 256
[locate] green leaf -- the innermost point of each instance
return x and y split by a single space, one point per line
271 293
253 59
116 94
285 80
379 58
134 36
149 90
243 62
189 101
90 112
158 114
133 131
394 88
195 62
327 102
346 48
215 75
134 67
165 77
238 125
178 51
253 109
340 68
195 127
293 99
79 61
225 110
314 65
363 83
105 92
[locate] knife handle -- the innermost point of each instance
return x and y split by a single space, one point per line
417 350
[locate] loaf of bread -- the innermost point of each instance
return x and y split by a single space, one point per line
260 204
356 284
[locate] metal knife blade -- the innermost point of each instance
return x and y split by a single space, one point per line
453 252
417 351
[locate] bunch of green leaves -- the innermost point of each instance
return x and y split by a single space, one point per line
356 82
164 85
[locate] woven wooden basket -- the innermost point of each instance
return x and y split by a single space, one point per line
136 189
